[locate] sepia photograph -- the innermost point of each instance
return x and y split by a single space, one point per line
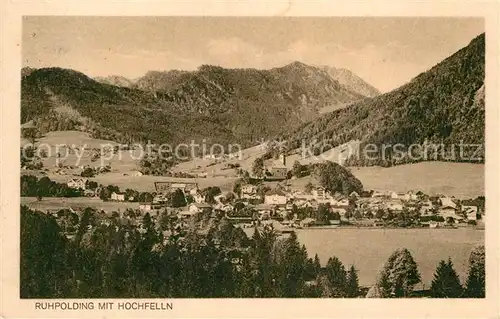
176 157
211 157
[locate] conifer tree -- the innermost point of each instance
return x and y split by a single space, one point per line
337 276
476 277
317 265
446 283
352 287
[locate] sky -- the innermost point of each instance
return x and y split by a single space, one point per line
385 52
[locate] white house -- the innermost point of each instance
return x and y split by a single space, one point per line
275 198
118 196
77 183
196 208
354 194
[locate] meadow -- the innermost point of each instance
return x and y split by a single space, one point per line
462 180
56 203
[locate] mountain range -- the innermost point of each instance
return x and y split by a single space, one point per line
215 104
442 105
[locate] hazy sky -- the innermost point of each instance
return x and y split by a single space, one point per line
386 52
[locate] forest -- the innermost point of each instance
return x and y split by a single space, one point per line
118 260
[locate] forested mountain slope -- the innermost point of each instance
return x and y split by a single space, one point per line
444 105
212 103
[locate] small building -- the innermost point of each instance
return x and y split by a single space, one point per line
89 193
196 208
160 199
307 222
278 172
187 214
448 208
118 196
354 194
379 194
136 173
146 206
394 205
448 211
77 183
275 198
447 202
341 200
248 189
319 192
198 198
341 210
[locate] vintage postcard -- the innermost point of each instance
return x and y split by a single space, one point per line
250 160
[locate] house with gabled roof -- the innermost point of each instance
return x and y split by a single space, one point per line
77 183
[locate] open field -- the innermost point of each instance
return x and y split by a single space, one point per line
368 249
55 203
462 180
76 149
143 183
146 182
214 168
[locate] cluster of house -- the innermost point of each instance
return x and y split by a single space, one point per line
444 206
280 203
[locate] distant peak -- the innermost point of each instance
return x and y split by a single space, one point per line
297 64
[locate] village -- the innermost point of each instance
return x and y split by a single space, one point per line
284 210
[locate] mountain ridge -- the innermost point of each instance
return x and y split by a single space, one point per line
213 103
